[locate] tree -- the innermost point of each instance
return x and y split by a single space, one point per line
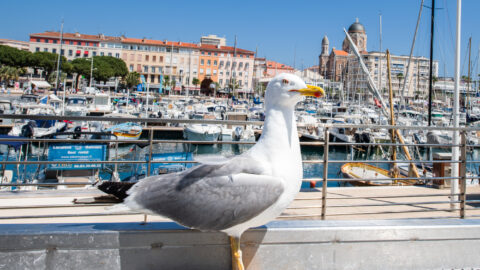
195 81
132 79
8 73
48 62
399 78
166 81
14 57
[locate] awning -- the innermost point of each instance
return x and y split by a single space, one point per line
79 52
41 84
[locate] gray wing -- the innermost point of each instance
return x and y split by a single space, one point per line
209 197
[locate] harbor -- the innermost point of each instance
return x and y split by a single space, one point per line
231 136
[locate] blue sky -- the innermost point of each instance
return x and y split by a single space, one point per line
283 31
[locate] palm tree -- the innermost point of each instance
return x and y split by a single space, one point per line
399 78
195 81
166 81
8 73
132 79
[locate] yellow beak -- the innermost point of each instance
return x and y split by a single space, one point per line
311 91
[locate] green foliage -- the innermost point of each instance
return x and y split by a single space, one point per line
132 79
14 57
166 81
48 62
8 73
195 81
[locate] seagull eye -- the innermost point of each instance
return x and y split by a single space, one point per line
285 81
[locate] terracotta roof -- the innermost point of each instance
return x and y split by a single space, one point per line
276 65
52 34
340 52
122 39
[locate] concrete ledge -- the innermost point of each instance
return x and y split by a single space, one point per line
373 244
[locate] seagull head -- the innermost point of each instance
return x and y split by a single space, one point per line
289 89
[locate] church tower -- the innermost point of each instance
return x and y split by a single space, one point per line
323 58
359 37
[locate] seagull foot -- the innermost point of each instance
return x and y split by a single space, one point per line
237 263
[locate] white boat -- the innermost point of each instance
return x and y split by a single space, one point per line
202 132
101 105
76 106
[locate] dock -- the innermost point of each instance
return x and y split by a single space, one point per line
391 233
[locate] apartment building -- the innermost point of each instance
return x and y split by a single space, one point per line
155 59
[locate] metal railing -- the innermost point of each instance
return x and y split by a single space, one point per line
459 198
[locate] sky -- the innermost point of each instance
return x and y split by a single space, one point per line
289 32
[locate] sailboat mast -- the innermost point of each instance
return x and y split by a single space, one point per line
456 95
381 57
469 74
430 78
58 60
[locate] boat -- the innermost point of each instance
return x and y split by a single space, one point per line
101 105
202 132
359 171
126 131
76 106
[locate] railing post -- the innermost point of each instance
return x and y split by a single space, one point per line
325 173
150 149
463 172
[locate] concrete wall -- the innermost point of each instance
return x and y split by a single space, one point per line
404 244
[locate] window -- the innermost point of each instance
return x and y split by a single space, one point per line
202 62
147 57
240 73
46 41
109 54
216 54
221 63
209 62
174 60
139 57
145 69
131 68
209 53
152 78
87 43
214 62
214 72
38 40
55 41
102 54
71 42
70 52
203 53
208 71
153 69
117 55
45 49
139 68
159 70
160 59
220 81
201 71
79 43
94 53
221 73
154 58
37 49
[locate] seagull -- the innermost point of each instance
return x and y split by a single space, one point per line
245 191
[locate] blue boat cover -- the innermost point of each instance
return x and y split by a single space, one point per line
14 144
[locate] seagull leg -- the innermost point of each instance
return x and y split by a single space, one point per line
237 263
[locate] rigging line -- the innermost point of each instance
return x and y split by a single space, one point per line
449 23
464 62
